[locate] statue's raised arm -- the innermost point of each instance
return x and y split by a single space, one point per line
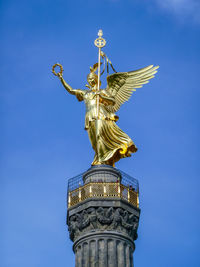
78 93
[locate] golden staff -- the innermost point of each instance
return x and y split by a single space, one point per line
99 42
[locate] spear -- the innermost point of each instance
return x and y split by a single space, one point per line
100 43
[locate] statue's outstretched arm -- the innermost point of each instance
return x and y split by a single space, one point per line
67 86
78 93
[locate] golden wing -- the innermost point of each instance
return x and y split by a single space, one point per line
122 84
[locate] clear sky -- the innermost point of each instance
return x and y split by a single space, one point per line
43 142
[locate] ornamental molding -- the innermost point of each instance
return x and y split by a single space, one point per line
101 218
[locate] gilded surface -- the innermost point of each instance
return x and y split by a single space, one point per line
109 142
103 190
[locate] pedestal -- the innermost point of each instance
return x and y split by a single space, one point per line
103 217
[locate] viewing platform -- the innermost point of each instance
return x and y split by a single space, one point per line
103 185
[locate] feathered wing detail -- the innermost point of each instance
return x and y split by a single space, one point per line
122 84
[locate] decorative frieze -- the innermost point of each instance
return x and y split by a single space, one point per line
101 218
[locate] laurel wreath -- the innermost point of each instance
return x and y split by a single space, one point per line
61 69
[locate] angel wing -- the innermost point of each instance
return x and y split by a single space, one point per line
122 84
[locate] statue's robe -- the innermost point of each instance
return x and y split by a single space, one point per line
109 142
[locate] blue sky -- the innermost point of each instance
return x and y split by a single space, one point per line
42 138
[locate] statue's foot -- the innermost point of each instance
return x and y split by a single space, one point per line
98 163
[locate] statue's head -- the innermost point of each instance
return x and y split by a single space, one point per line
92 77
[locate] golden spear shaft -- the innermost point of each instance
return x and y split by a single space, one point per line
99 42
98 85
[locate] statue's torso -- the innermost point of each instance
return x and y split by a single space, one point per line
91 108
90 102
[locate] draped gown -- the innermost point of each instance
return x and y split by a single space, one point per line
109 142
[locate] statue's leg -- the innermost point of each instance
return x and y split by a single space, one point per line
92 137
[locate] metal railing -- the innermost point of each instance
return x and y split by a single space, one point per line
127 189
103 190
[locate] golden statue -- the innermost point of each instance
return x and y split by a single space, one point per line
109 142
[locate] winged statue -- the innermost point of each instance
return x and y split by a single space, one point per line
108 141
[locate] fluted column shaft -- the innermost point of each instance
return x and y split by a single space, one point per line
104 251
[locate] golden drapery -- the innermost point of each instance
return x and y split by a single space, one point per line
109 142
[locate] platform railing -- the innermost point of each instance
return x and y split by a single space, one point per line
106 190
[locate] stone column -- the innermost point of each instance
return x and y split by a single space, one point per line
103 229
104 250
